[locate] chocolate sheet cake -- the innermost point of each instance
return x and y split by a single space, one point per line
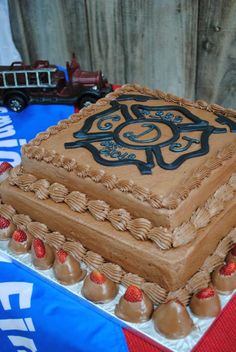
140 185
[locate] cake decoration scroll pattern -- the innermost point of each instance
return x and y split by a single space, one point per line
157 127
113 271
33 150
140 228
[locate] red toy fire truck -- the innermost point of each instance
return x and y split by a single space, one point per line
43 83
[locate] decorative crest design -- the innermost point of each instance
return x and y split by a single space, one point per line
142 135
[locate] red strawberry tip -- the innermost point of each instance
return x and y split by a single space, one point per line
39 248
97 277
228 269
4 167
133 294
19 236
206 292
61 254
4 223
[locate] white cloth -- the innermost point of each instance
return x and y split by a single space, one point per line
8 51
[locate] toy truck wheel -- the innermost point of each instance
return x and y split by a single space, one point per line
15 103
86 101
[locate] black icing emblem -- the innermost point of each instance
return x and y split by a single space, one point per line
141 134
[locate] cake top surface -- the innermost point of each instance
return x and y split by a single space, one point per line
137 137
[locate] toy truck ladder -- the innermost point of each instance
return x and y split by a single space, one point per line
27 78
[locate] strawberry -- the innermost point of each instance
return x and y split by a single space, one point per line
19 236
4 167
205 293
228 269
62 256
4 222
97 277
39 248
133 294
233 250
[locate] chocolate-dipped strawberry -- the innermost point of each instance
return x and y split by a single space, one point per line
172 320
231 257
4 170
98 288
42 254
134 306
67 269
224 278
20 242
6 228
205 303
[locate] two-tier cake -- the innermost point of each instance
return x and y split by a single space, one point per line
140 186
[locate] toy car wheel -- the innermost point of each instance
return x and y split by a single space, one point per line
86 101
15 103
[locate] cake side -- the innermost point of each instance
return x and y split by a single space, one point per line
57 242
140 228
189 145
139 257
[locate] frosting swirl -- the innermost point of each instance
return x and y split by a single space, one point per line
93 260
24 181
21 221
132 279
139 228
76 249
183 234
58 192
155 292
113 271
37 230
200 218
77 201
40 187
99 209
7 211
55 240
161 236
119 219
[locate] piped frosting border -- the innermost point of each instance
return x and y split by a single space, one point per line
140 228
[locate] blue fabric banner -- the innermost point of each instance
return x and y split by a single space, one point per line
38 316
17 128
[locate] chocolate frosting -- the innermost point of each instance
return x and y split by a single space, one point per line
68 272
224 284
172 320
205 307
134 312
99 293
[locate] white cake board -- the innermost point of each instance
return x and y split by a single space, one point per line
146 330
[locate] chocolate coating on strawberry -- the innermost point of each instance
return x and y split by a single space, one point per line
172 320
205 303
6 228
134 306
67 269
224 278
20 242
231 257
42 254
98 288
